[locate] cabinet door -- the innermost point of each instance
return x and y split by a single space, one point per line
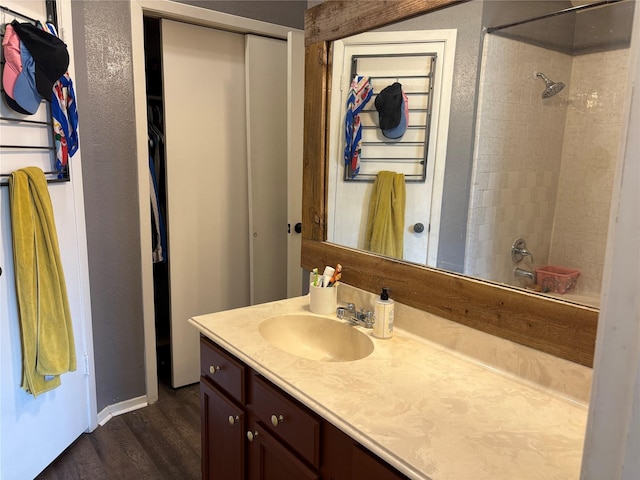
223 428
365 465
270 460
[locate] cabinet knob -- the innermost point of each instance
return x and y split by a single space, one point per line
233 420
276 420
214 369
251 435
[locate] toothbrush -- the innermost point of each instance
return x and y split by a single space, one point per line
315 278
337 274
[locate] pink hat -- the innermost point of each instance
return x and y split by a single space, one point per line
13 61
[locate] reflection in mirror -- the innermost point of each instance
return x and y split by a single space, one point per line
528 165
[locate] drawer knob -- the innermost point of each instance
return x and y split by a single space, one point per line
276 420
214 369
251 435
233 420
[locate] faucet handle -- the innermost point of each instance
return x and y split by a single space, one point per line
369 319
519 251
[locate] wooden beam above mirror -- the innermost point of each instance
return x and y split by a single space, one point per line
556 327
333 20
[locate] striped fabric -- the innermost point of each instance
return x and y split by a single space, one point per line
360 92
64 115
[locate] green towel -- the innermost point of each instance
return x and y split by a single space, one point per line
48 348
385 221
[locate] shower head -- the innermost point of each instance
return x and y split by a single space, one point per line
552 87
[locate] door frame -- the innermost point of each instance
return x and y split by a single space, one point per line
197 16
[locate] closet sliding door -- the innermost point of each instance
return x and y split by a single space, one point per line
207 192
266 74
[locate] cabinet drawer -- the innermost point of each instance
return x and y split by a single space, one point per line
287 420
222 370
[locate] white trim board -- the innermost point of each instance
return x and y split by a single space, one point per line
116 409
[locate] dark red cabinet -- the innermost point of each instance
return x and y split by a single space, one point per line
253 430
271 460
223 435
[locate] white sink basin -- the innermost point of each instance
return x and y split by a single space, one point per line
316 338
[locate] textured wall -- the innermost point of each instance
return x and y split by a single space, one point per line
104 86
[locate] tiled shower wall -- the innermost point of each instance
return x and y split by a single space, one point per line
589 157
544 168
517 156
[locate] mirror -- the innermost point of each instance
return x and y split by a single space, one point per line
539 170
555 326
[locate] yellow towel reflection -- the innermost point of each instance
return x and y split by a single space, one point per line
385 221
45 319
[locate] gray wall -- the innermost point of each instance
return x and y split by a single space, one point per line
104 86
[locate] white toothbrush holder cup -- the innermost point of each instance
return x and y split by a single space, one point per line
323 300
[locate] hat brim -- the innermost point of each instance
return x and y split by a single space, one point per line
14 105
397 132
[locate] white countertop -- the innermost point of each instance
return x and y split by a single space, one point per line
426 410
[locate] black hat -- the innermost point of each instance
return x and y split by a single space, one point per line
389 106
49 52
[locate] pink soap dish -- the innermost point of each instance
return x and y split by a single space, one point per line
554 279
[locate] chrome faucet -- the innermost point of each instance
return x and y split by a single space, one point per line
522 273
363 318
519 251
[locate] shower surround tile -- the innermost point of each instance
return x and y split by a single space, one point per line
537 163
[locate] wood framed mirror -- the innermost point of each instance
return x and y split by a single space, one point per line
557 327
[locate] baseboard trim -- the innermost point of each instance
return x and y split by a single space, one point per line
122 407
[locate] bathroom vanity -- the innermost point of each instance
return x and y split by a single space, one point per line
253 429
409 408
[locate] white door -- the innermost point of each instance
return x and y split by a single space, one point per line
266 85
34 431
207 207
388 57
295 121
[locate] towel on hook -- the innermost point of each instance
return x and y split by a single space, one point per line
360 92
385 221
46 330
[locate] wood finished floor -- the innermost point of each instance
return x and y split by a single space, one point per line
161 441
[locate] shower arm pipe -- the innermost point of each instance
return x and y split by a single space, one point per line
577 8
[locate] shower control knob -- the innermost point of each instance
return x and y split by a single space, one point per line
418 228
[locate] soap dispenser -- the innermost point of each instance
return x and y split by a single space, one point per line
383 312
